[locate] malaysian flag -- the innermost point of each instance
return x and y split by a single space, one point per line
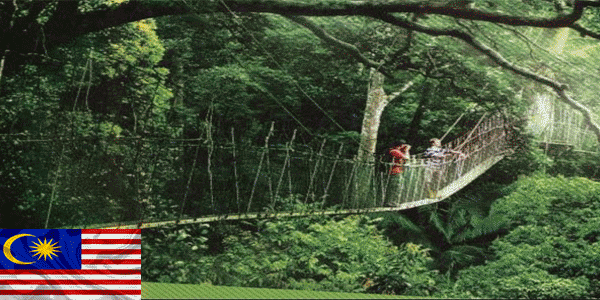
70 264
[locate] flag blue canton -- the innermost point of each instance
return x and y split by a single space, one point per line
40 249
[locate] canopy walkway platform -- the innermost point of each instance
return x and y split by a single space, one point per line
282 180
327 185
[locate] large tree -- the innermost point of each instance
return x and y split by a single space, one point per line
30 28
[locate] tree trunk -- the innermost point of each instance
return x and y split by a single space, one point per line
365 167
377 100
376 103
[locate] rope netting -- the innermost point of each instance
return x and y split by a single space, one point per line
283 181
423 182
553 122
562 55
154 182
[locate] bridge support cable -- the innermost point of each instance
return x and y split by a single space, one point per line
326 190
235 173
262 157
309 192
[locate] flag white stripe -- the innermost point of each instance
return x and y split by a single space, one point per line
111 246
72 287
70 277
111 267
111 256
111 236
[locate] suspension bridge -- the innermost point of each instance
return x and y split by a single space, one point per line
290 181
555 123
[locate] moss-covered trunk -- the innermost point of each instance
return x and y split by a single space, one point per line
364 191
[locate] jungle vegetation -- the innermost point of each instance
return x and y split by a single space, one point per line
104 103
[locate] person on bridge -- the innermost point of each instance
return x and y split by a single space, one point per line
400 154
435 165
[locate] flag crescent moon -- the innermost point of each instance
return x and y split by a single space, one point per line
7 249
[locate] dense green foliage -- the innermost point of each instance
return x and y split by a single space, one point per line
168 118
182 260
349 255
552 248
102 89
546 248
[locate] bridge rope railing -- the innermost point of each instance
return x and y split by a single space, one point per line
299 181
564 133
555 123
325 184
103 181
486 141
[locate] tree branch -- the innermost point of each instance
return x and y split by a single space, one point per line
66 27
404 49
584 31
135 10
397 94
336 43
337 8
63 28
558 87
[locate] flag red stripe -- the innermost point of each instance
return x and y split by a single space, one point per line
111 251
110 241
71 272
71 292
111 231
70 282
111 261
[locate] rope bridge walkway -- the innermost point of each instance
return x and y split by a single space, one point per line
555 123
277 180
302 183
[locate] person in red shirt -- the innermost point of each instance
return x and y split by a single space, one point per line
400 154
